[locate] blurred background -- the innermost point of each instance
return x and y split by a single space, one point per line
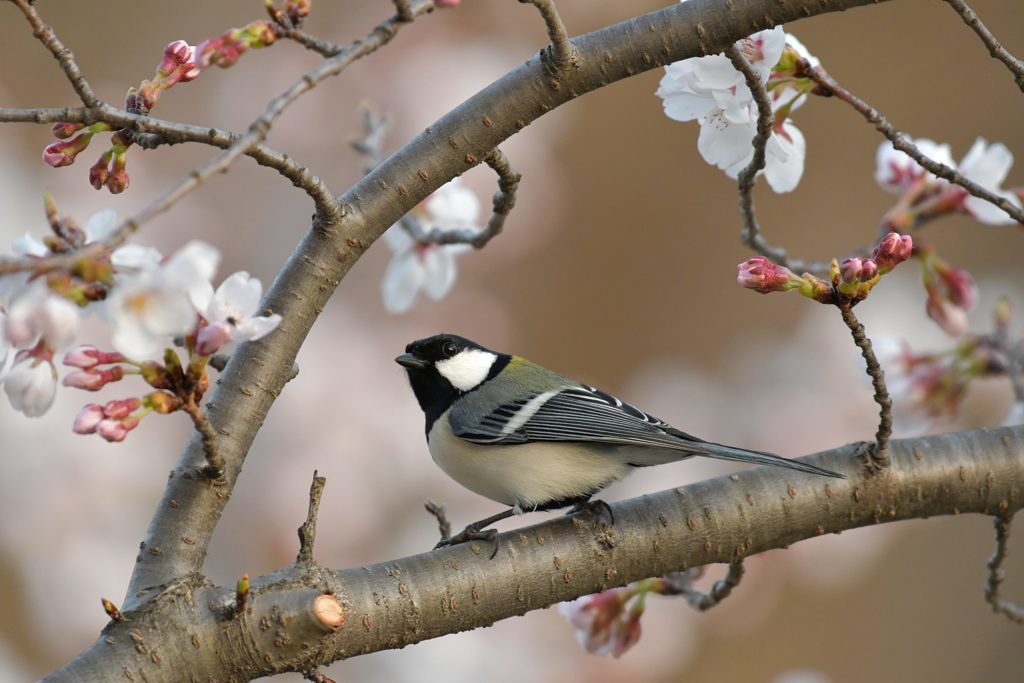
617 267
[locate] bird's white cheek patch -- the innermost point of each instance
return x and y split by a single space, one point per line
467 369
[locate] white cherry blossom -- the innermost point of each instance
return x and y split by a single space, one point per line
31 385
35 313
711 91
428 268
231 312
896 172
151 306
988 165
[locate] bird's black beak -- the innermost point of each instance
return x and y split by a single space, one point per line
407 360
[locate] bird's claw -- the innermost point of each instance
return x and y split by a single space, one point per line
595 507
471 533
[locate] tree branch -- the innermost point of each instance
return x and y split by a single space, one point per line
995 573
900 141
750 234
44 32
877 457
329 249
995 48
397 603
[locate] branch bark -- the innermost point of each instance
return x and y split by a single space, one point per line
397 603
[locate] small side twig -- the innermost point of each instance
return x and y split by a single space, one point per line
439 512
751 234
241 595
900 141
307 532
995 48
878 457
561 54
996 575
214 460
404 11
46 35
317 677
324 48
719 591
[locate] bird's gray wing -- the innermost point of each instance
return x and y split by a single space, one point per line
578 413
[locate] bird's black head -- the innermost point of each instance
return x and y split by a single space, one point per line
443 367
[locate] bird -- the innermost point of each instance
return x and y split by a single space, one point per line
532 439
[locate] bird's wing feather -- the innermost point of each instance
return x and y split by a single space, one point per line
578 413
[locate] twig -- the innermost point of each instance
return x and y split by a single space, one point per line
750 234
150 133
317 677
996 575
214 462
322 47
901 142
878 458
307 532
376 127
504 200
46 35
439 511
404 10
995 48
561 54
721 589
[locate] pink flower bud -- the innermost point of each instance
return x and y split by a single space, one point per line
98 174
212 337
869 269
960 287
118 181
93 380
84 357
851 269
111 430
763 276
87 419
120 409
446 3
893 250
64 129
950 317
59 154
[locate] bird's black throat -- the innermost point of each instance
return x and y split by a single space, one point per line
435 394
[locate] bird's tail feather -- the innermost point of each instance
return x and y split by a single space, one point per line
717 450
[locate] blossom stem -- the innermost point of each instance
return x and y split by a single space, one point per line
878 459
214 461
750 234
901 142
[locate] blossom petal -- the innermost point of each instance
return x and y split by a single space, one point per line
135 257
452 207
402 281
440 271
239 294
100 225
783 171
255 328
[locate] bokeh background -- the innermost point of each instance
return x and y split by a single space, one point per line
617 266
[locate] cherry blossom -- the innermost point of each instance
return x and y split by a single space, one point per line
231 313
710 90
927 196
31 384
37 314
428 268
151 306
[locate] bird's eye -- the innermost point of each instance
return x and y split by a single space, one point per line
449 349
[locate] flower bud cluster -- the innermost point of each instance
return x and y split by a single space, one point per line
850 280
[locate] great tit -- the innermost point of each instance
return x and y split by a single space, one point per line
524 436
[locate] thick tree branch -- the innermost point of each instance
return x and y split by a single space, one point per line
394 604
190 507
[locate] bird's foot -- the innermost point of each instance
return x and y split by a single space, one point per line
472 533
596 507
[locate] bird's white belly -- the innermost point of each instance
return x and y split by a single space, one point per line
527 475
